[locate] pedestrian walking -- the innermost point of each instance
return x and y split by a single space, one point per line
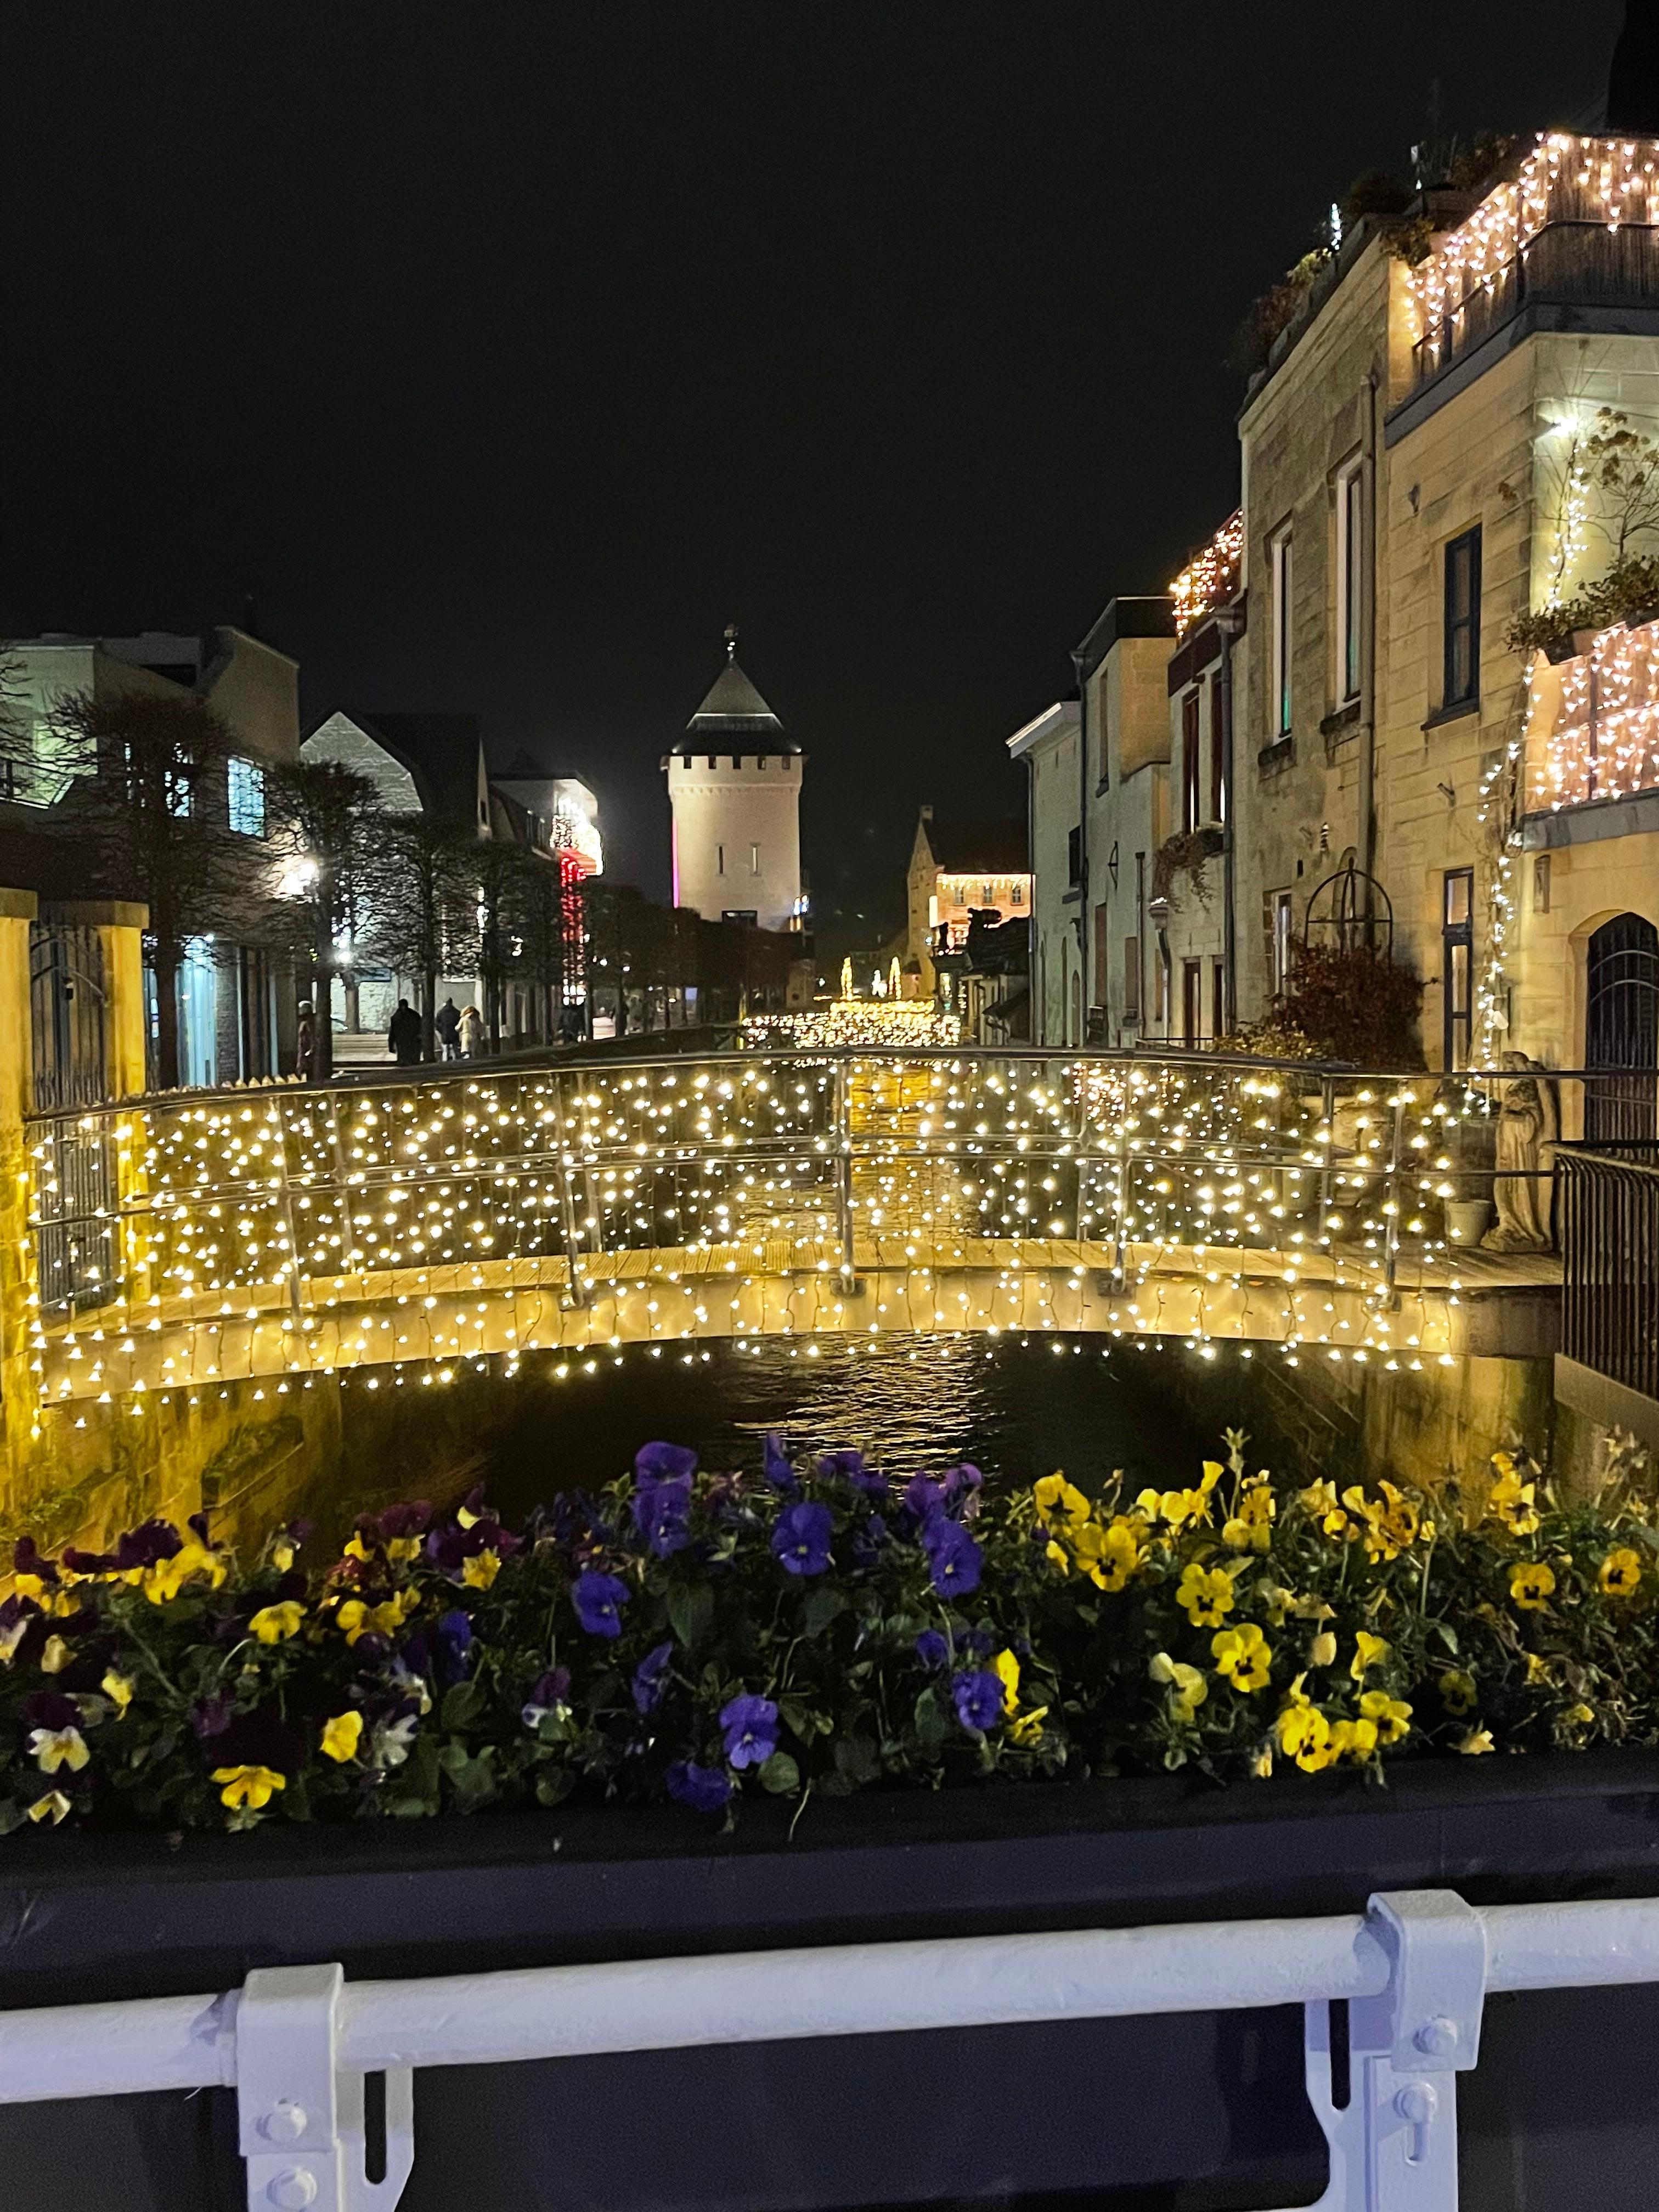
404 1036
447 1023
472 1033
304 1043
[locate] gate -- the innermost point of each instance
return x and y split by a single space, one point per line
1622 1032
76 1186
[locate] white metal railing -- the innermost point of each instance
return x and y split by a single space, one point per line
297 2043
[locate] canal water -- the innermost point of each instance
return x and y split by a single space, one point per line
1018 1409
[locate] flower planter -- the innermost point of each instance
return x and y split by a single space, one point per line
1191 2110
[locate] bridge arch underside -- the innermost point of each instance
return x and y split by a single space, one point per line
432 1317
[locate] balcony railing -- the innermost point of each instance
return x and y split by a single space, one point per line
1578 226
1593 722
1610 1254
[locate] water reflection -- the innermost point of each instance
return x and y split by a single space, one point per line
1016 1409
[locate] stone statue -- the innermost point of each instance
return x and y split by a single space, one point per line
1529 1128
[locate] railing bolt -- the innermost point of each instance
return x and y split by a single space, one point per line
1437 2038
284 2123
294 2190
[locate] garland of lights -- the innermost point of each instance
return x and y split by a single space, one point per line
847 1023
1593 720
462 1218
1211 578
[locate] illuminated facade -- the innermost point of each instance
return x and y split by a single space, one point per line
734 784
958 869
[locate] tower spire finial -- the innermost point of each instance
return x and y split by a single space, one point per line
730 640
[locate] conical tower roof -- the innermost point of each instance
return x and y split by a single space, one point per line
734 718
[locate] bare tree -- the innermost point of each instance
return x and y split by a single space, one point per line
538 923
322 816
496 867
150 800
418 897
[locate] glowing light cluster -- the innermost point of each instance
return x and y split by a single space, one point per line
1593 721
845 1024
1565 179
1210 579
290 1231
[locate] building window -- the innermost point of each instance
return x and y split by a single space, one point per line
989 898
1540 883
1217 780
753 859
1463 620
1189 762
720 859
1074 855
1283 933
1457 965
247 797
1280 716
1192 1001
1350 578
1016 894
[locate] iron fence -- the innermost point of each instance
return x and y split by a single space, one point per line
1609 1222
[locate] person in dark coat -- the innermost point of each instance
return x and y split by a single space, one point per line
447 1023
305 1044
403 1037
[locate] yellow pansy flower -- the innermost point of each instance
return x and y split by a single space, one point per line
1107 1556
1354 1740
1457 1691
57 1747
118 1689
54 1656
1304 1735
1056 1555
1057 1501
1251 1529
1580 1715
163 1582
1319 1498
1005 1667
402 1549
1392 1715
1369 1652
1321 1652
1188 1684
253 1786
282 1555
1206 1593
481 1570
342 1735
54 1807
1028 1727
275 1624
1510 1500
1530 1588
1244 1655
1475 1742
1620 1574
355 1548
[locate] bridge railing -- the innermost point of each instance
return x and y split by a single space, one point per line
244 1193
1610 1262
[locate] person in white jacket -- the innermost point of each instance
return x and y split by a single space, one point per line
472 1033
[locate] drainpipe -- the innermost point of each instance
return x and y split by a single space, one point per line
1078 660
1229 623
1034 1021
1367 838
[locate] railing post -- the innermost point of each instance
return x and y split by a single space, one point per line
300 2115
1391 1211
290 1219
844 1169
567 1195
1328 1121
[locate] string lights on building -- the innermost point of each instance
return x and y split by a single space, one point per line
1565 179
1210 579
1593 721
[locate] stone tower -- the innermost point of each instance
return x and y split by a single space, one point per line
734 784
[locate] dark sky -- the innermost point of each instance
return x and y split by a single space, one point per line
504 350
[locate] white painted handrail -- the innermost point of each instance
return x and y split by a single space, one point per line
297 2042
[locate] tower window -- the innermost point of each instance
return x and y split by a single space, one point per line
720 859
753 859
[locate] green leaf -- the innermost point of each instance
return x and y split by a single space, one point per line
691 1611
932 1727
780 1775
820 1609
856 1760
553 1789
1447 1636
462 1705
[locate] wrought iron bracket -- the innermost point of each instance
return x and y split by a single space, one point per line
1393 2137
300 2115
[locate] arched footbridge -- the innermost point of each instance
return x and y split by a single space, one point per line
194 1241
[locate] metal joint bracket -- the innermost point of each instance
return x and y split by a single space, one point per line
1393 2136
301 2117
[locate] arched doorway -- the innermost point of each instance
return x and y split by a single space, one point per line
1621 1030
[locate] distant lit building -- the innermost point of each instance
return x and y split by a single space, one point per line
958 869
734 783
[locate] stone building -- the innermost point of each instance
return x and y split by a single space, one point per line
734 783
958 869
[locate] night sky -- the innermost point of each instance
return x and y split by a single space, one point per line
502 352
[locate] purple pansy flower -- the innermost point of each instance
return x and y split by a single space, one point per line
551 1689
704 1788
953 1556
978 1699
866 1543
662 1462
959 1479
801 1539
650 1678
662 1513
751 1730
924 1498
212 1717
598 1600
776 1466
932 1649
144 1546
51 1709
